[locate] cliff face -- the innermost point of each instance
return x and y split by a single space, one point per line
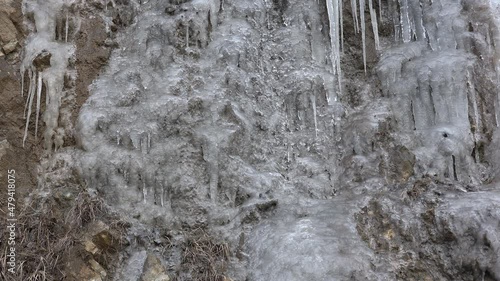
318 140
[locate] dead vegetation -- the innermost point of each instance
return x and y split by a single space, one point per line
48 235
203 258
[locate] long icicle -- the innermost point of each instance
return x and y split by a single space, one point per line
341 19
354 8
38 98
333 16
363 30
66 29
380 9
313 101
22 71
30 103
373 17
337 9
30 89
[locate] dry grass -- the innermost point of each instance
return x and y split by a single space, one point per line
47 233
204 258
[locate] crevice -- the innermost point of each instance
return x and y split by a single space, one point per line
431 97
473 154
413 115
454 168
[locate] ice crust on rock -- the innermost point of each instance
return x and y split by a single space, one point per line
429 80
47 38
218 106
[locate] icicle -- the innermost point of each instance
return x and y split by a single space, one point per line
38 98
149 142
288 148
22 70
341 25
67 28
354 8
405 21
363 30
162 195
29 103
313 101
30 90
497 107
373 17
380 9
333 16
187 35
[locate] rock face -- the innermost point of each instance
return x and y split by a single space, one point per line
436 230
8 33
227 115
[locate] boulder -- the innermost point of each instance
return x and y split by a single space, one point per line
153 270
8 31
10 47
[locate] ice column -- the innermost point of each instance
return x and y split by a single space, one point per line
334 19
363 30
373 17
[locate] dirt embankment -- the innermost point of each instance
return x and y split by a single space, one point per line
47 216
12 154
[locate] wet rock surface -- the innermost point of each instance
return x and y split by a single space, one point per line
431 230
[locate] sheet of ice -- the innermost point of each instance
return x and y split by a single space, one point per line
313 241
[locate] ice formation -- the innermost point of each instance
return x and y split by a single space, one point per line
47 75
333 7
212 110
428 79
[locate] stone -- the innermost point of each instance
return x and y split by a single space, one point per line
153 270
8 31
87 274
10 47
133 269
90 247
106 241
97 268
42 60
4 145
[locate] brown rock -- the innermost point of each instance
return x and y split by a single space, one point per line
87 274
153 270
10 47
8 31
42 60
106 241
97 268
90 247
